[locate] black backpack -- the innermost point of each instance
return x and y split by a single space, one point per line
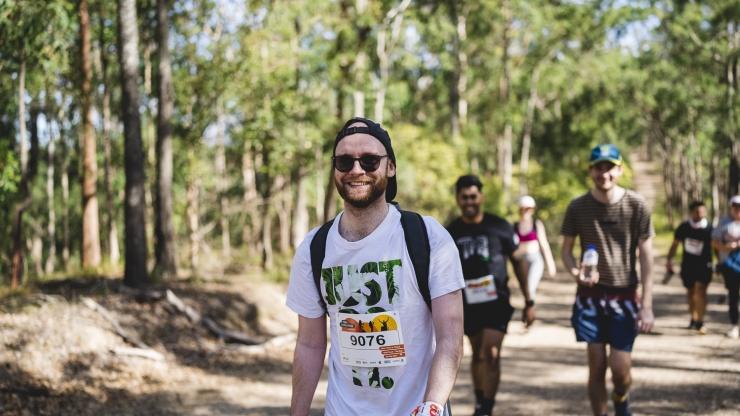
417 243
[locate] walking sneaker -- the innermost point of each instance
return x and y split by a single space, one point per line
700 328
621 405
692 324
734 332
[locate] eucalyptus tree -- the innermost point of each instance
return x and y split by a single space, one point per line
164 248
90 225
135 272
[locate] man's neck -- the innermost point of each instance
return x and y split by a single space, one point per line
358 223
609 197
473 220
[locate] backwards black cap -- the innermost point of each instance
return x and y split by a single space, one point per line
374 129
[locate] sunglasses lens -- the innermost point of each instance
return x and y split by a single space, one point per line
370 163
344 163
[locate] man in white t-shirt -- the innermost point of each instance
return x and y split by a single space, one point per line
389 355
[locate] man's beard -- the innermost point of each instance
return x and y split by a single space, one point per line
376 191
471 212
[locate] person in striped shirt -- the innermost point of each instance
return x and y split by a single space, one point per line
607 309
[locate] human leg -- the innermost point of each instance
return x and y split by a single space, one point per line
490 354
700 303
620 362
535 268
692 304
597 363
732 283
477 368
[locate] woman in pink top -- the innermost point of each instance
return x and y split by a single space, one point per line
534 251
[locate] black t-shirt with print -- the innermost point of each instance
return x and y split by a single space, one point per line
697 244
484 248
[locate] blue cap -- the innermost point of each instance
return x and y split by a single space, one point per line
605 153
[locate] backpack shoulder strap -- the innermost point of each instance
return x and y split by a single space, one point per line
318 251
417 242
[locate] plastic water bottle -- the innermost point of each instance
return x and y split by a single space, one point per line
590 261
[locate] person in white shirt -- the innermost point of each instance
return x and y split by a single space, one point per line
391 353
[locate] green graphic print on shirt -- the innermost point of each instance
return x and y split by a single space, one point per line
370 288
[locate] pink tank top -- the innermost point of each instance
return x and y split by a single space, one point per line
530 236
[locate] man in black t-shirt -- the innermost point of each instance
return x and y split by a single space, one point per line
696 266
485 241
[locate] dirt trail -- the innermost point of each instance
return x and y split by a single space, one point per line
54 359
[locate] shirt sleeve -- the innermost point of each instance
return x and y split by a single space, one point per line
445 270
509 240
303 297
680 233
569 225
645 222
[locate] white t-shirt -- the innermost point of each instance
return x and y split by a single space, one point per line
389 284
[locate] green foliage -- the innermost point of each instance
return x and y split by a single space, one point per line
283 76
427 167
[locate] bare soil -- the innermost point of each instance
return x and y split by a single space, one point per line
56 356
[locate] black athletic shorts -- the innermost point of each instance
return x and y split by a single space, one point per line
691 274
493 315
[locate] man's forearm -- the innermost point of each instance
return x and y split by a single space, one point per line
566 255
646 270
308 362
445 363
447 314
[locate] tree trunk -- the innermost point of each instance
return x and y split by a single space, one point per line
458 81
300 211
715 190
731 75
65 198
222 183
52 218
22 115
266 211
320 189
193 195
527 134
24 200
164 247
17 262
506 145
253 222
266 233
392 20
284 209
90 254
330 197
135 273
149 142
108 172
383 64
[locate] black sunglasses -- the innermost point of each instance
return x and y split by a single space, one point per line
368 163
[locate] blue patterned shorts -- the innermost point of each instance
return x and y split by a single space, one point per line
601 315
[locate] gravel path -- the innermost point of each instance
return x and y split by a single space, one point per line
55 360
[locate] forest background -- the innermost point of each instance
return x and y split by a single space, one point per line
161 138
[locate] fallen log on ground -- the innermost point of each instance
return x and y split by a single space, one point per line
125 335
226 335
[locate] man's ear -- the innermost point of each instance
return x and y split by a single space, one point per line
390 170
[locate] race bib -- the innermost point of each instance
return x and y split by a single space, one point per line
692 246
371 339
482 289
